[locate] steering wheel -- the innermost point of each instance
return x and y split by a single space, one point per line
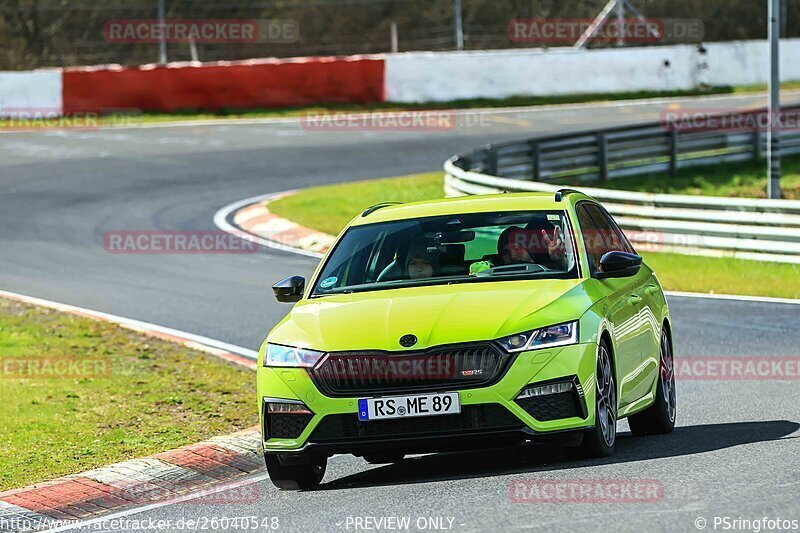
390 269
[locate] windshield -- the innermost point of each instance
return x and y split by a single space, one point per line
451 249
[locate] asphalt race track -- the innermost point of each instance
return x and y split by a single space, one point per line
735 453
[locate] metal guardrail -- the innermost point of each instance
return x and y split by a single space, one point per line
759 229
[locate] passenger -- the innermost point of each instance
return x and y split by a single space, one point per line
421 263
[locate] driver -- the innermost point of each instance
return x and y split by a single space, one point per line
538 243
512 246
548 249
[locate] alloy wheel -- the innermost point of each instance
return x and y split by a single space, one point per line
668 376
606 397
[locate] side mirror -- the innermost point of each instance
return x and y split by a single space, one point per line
618 265
289 290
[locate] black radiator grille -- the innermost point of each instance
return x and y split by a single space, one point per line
346 374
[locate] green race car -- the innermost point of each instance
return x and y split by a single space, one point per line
465 323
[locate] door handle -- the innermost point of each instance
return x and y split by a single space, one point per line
634 299
651 289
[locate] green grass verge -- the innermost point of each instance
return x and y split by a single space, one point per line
156 396
725 276
745 180
330 208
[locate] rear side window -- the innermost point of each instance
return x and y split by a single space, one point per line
612 234
593 240
600 233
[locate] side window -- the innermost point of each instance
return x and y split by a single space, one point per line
593 239
625 242
611 231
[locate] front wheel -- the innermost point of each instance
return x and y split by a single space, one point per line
295 473
659 417
601 440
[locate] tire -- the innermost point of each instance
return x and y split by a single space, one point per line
660 417
384 458
601 440
298 474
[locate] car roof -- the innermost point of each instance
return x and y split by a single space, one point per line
533 201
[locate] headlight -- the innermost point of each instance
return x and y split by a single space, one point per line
278 355
549 337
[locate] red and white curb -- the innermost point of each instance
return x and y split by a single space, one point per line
163 476
252 216
194 468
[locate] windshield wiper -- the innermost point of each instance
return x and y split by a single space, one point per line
514 270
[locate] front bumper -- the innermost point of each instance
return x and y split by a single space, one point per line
490 416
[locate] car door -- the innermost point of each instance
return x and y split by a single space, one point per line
646 341
650 292
621 305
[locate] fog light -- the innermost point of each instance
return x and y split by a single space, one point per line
287 408
285 419
546 390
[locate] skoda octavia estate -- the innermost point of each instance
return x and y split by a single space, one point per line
466 323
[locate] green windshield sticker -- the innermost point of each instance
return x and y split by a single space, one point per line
327 283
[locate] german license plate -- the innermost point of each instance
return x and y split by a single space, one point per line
446 403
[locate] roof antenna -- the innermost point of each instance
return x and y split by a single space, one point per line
368 211
561 193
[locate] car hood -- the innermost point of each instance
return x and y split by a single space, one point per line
437 315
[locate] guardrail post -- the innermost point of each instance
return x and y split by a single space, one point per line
536 154
602 156
491 161
758 154
673 152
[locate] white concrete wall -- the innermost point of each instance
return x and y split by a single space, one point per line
37 90
443 76
747 62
